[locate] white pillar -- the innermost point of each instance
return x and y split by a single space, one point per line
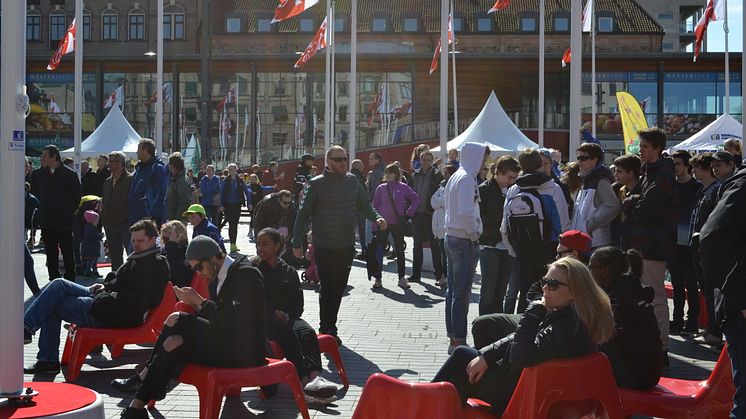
352 109
455 79
727 61
12 147
78 85
576 65
327 77
159 82
594 105
332 75
540 110
444 78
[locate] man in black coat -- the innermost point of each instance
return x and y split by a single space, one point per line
59 195
121 301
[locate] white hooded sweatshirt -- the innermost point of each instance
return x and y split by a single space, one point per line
462 195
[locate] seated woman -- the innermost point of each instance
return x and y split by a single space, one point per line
635 349
572 318
173 245
227 331
284 302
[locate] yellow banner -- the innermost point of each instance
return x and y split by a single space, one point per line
633 120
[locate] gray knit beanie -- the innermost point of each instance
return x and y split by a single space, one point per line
201 248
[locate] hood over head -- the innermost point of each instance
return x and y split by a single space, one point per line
472 157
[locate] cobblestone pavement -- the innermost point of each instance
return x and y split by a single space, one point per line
398 332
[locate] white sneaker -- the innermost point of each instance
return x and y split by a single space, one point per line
403 282
377 284
320 388
317 401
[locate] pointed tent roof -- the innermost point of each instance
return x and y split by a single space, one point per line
493 128
113 134
713 135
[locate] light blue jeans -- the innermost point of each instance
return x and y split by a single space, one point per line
58 301
463 255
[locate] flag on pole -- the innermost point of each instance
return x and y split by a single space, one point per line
228 99
318 43
115 98
290 8
167 95
633 120
499 5
566 58
53 108
587 16
715 10
66 46
436 55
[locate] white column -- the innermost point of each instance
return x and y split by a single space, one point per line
12 147
332 76
576 66
352 109
541 74
327 84
78 85
455 79
594 105
159 82
444 78
727 61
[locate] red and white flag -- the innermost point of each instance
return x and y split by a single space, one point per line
436 55
566 58
715 10
499 5
317 44
587 16
290 8
167 95
66 46
115 98
228 99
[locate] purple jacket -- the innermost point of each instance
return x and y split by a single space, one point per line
405 198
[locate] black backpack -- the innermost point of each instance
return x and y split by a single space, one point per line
529 227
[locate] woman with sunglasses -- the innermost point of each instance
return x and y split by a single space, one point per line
174 243
284 302
571 320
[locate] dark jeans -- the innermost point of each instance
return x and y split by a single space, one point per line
443 257
211 212
77 240
397 236
232 215
490 328
528 269
496 266
495 387
333 266
734 330
28 271
118 238
299 342
55 240
361 228
684 281
708 291
422 231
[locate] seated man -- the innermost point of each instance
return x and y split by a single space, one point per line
121 301
197 217
229 330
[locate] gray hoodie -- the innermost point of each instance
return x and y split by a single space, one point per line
462 195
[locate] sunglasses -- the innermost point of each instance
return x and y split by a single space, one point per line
551 284
285 202
338 159
584 158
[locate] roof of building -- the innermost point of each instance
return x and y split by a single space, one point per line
629 16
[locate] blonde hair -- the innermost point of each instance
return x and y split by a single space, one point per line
175 227
591 304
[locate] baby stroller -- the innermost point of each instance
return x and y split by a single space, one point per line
311 275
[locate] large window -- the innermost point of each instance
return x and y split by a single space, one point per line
109 25
694 99
57 26
173 23
136 25
33 25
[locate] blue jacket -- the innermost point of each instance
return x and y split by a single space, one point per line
206 228
147 196
90 246
209 187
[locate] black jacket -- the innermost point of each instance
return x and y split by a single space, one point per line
59 196
237 316
89 184
181 272
136 287
269 213
434 183
301 177
722 247
282 288
491 203
635 349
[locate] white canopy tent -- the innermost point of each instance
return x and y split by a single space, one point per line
712 136
494 129
192 154
113 134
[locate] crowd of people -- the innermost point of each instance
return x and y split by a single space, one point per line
573 257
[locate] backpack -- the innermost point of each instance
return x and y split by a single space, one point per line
529 228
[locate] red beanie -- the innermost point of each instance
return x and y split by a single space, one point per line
576 240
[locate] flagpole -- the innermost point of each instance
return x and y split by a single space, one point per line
453 61
238 121
444 78
159 82
576 45
78 84
593 69
541 73
332 75
353 81
727 60
327 77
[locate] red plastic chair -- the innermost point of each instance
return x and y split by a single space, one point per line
386 397
674 398
565 388
703 318
200 284
80 340
327 345
215 383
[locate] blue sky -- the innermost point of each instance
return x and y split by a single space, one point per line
715 35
